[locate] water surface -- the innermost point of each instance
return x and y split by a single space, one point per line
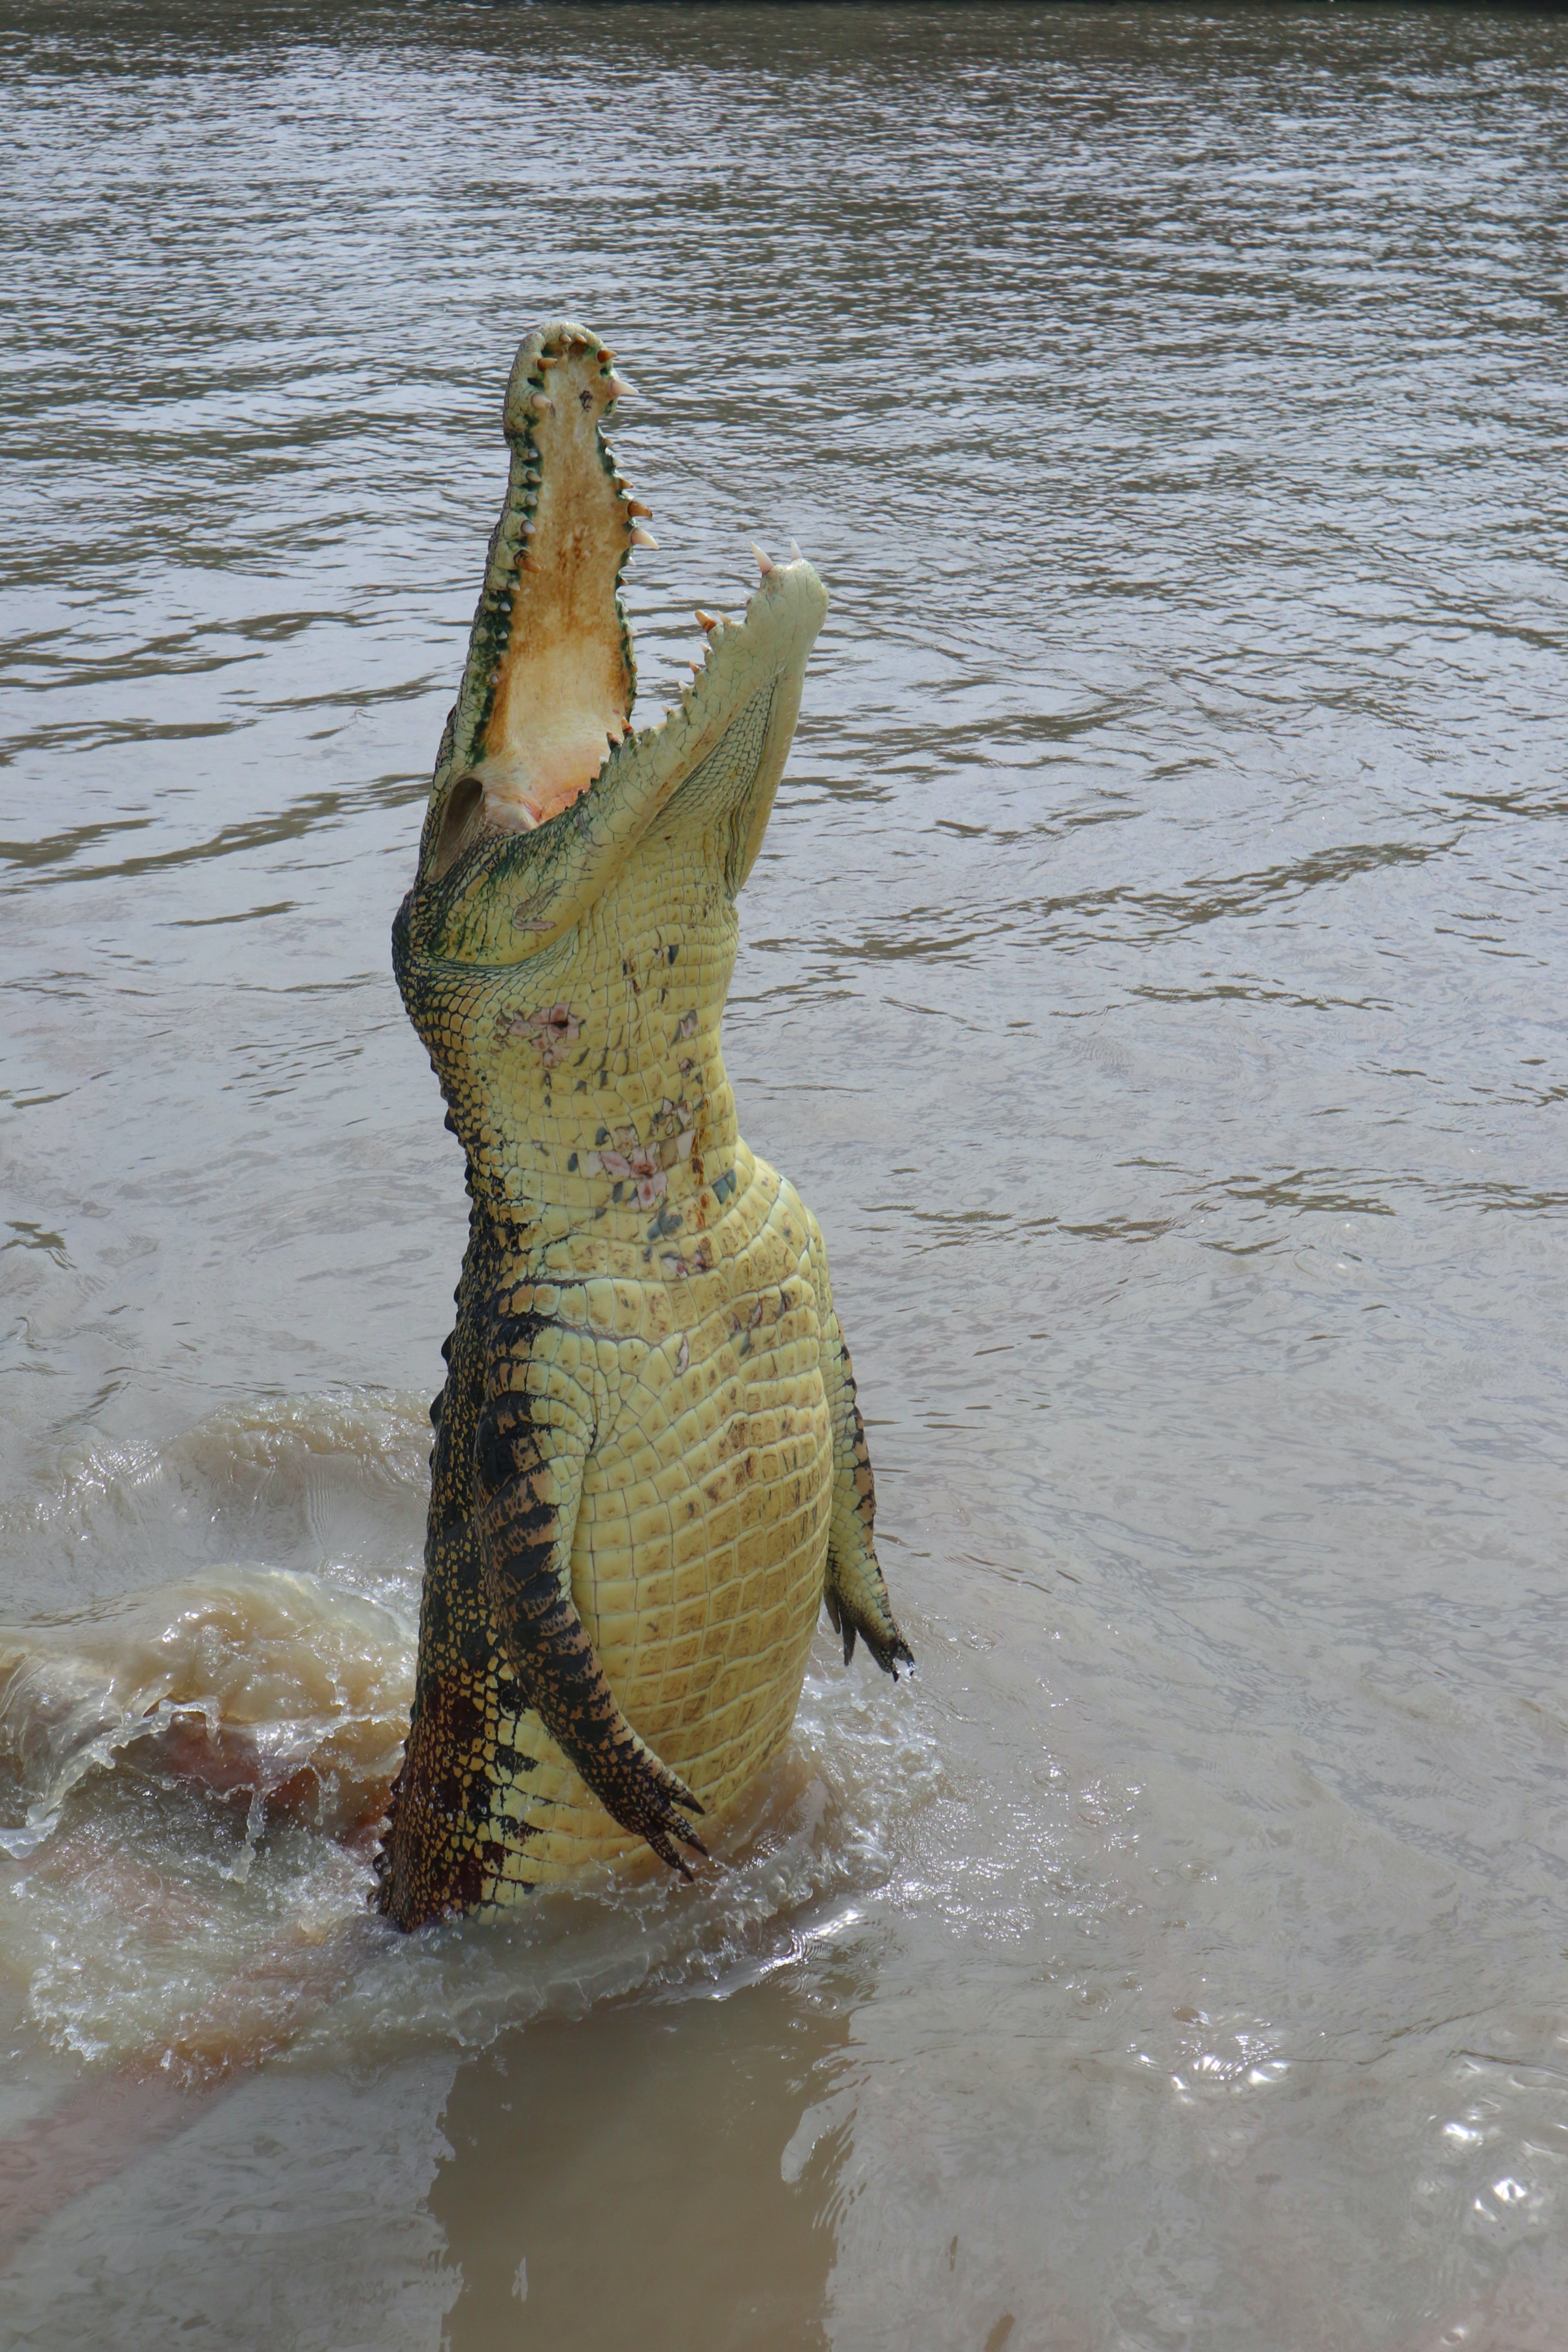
1153 977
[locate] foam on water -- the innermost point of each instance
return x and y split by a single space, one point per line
332 1483
263 1683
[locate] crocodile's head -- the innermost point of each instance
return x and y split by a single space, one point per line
542 790
570 925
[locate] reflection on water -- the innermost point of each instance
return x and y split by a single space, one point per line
585 2182
1153 979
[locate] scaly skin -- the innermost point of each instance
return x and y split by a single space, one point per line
649 1469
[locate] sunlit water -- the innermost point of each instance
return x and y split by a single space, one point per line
1154 979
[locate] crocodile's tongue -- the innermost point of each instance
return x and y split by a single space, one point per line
563 686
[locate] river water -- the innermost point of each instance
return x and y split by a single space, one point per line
1153 977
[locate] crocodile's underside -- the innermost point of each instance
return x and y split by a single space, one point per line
649 1469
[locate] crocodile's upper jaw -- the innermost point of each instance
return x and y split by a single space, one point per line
549 677
562 690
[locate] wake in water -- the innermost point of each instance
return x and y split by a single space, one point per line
270 1688
192 1776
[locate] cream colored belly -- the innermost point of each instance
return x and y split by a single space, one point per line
702 1539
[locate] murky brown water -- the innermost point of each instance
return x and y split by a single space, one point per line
1154 979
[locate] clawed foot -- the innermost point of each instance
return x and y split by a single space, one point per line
642 1794
883 1639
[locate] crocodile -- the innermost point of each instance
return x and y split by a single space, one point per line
649 1471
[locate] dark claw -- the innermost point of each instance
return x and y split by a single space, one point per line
888 1654
658 1834
667 1854
681 1793
649 1811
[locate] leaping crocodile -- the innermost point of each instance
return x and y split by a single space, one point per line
649 1470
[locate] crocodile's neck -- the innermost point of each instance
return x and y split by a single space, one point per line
605 1103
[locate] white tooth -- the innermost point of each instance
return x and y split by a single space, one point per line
644 538
764 562
618 388
794 554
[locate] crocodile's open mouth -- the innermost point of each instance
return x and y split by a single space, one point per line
550 679
559 688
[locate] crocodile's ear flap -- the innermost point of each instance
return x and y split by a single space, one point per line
462 819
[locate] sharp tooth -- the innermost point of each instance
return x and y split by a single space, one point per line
644 538
709 620
764 562
618 388
541 406
635 506
695 667
529 563
794 554
549 359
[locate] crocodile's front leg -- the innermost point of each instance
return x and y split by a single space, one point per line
536 1434
853 1591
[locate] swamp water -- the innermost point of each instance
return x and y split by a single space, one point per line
1153 977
